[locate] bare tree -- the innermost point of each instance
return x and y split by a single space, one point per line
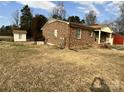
16 18
59 12
91 18
112 24
118 24
120 21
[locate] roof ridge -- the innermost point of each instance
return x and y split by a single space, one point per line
53 20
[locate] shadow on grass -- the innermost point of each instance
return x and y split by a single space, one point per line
99 85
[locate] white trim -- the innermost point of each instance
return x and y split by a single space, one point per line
105 29
99 37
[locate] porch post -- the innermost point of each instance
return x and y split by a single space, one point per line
110 39
99 37
110 36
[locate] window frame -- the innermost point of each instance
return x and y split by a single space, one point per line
55 32
78 34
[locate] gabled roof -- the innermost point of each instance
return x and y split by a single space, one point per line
54 20
103 28
106 29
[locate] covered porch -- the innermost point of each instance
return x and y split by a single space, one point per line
103 37
103 34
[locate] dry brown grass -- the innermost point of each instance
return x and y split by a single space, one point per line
28 67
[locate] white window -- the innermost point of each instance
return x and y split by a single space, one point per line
20 36
55 33
78 33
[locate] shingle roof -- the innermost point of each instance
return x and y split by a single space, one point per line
19 31
96 26
53 20
76 25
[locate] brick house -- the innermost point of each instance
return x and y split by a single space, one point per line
65 34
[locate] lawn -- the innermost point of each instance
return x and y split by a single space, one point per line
29 67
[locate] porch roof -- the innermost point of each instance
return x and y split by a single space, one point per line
106 29
102 28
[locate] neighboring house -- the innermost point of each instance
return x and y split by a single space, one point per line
118 39
103 34
19 35
62 33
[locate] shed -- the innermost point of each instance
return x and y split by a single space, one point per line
118 39
19 35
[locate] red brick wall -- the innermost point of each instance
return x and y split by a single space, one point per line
62 31
86 38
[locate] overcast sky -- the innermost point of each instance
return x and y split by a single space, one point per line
105 10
